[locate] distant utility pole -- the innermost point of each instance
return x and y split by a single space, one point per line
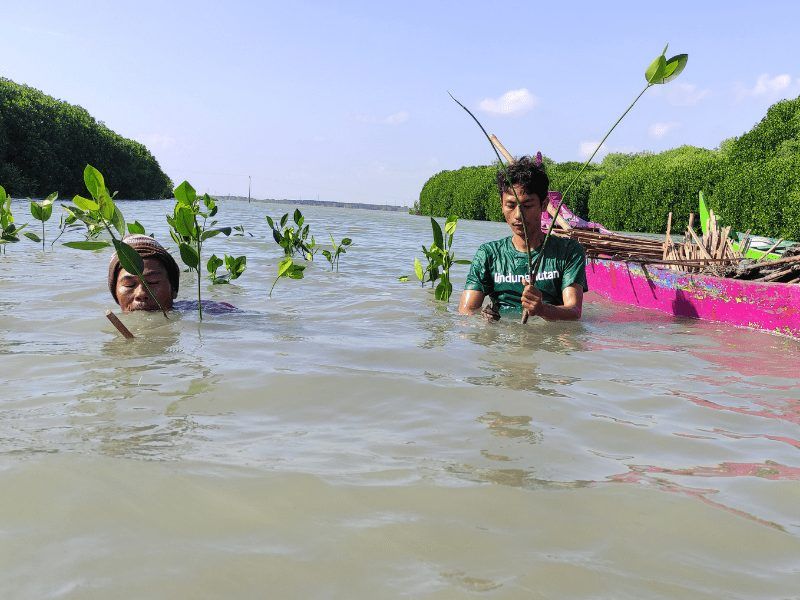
249 181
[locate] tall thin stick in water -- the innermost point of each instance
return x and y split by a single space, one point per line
511 187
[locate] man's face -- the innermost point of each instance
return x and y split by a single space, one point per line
132 295
531 210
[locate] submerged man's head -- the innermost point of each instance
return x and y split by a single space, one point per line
161 273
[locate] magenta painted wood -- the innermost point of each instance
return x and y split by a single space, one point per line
773 307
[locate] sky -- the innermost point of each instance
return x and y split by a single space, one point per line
347 101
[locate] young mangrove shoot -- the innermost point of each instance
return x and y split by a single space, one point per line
8 229
441 258
189 233
332 256
287 269
234 267
41 211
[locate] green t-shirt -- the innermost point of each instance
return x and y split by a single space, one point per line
501 270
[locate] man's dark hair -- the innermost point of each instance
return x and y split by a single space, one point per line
526 174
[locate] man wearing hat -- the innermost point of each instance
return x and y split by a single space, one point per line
161 273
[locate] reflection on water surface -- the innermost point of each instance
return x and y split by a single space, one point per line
351 437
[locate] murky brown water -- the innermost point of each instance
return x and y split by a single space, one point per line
352 438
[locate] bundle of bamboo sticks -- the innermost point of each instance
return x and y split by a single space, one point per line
713 253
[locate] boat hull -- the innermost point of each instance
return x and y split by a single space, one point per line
773 307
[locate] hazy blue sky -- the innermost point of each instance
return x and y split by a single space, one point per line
348 100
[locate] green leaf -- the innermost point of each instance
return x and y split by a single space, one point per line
107 207
32 236
189 255
418 270
85 204
297 217
36 211
3 195
235 265
50 199
185 193
129 258
403 279
296 271
462 261
94 182
438 238
450 225
270 222
185 223
214 263
443 291
655 72
87 245
47 210
346 241
136 228
277 236
284 266
674 67
284 218
118 221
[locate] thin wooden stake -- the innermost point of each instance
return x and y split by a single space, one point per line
775 245
667 239
126 333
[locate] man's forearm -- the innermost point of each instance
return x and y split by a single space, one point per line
551 312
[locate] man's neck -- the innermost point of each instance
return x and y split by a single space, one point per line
536 238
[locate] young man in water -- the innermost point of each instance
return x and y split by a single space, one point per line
500 269
161 273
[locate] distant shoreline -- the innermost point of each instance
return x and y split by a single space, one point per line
384 207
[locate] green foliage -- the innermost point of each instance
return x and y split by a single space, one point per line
234 267
44 144
189 233
640 195
332 256
42 211
294 239
287 269
100 213
440 258
472 191
8 229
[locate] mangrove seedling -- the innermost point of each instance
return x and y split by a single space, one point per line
288 269
100 213
660 71
337 250
234 267
441 258
41 211
292 240
8 229
190 234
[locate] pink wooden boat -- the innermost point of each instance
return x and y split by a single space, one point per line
772 307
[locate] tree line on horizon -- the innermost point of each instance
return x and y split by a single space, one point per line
45 144
752 182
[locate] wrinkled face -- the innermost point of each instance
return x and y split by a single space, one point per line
132 295
531 209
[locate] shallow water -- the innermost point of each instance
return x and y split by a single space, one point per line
353 438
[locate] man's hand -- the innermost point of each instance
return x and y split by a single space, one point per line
532 300
490 312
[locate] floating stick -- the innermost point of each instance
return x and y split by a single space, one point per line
126 333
